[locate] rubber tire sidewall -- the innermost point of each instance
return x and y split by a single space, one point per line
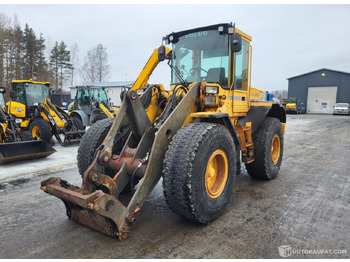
78 122
263 167
91 140
184 171
44 127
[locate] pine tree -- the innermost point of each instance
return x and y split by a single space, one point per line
60 63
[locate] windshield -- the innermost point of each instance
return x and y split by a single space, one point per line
201 56
99 95
341 105
36 93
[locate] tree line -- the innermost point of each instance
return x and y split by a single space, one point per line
25 55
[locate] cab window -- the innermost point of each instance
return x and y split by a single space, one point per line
241 67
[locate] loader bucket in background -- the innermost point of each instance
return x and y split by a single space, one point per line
11 152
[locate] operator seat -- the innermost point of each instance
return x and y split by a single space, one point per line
216 75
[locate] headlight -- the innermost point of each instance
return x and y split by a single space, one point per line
64 103
211 90
35 103
18 120
210 101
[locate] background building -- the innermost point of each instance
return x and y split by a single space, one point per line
320 90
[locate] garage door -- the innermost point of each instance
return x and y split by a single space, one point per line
321 100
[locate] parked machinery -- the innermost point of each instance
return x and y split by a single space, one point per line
16 144
193 135
90 105
30 102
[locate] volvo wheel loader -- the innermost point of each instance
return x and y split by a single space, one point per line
16 144
30 102
194 136
91 105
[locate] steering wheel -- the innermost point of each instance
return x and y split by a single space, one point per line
197 69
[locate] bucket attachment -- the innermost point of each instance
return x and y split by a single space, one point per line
11 152
97 203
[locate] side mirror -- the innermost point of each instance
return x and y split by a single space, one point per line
13 95
161 53
236 44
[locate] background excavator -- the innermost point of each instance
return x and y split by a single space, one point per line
30 102
16 144
194 135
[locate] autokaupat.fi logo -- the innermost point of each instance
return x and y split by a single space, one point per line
287 251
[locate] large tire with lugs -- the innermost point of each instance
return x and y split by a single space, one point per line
198 171
40 130
78 122
92 139
268 150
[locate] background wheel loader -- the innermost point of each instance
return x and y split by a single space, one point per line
30 102
16 144
193 136
91 104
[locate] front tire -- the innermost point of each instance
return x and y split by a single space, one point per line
268 150
40 130
198 171
92 139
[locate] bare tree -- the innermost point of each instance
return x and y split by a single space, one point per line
75 61
96 67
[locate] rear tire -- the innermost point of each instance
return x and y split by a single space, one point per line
78 123
268 150
97 115
40 130
198 171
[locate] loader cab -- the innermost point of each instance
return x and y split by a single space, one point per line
26 96
218 54
87 96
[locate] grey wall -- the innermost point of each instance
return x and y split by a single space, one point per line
298 86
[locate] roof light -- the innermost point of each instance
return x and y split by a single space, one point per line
231 30
221 29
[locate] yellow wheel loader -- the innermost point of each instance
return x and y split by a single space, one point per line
16 144
30 102
193 135
91 105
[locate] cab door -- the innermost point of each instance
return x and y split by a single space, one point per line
241 87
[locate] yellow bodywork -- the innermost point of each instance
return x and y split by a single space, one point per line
106 111
19 109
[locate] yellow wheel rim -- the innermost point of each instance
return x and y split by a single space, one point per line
275 149
216 173
36 132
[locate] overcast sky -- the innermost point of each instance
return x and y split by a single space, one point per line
288 40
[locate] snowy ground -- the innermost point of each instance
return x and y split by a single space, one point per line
64 158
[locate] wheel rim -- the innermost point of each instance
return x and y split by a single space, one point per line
36 132
216 173
275 149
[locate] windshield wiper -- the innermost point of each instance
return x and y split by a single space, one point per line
178 74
